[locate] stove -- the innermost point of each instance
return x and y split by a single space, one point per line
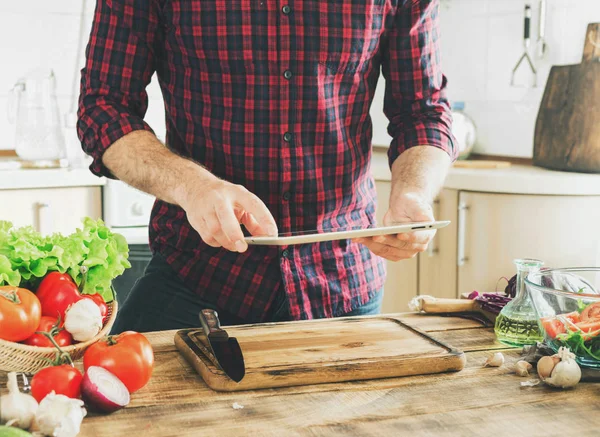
127 212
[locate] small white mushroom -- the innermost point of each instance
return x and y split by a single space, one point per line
495 360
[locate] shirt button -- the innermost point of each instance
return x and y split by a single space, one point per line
287 137
285 253
287 74
286 10
287 195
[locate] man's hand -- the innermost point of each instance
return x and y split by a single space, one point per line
405 208
216 209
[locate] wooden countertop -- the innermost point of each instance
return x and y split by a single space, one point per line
473 402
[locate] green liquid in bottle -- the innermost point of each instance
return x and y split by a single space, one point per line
517 323
517 332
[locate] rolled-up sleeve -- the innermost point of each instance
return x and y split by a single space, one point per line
415 100
119 66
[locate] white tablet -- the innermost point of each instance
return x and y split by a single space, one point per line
303 237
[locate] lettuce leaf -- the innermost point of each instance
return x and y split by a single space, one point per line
26 256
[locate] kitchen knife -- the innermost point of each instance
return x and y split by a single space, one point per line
225 349
459 307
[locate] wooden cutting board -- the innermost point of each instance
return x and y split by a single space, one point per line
567 131
323 351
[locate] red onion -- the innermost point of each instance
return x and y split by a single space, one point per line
102 390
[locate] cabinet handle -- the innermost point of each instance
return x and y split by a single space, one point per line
462 227
432 249
44 218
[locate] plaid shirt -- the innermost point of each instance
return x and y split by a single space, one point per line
273 95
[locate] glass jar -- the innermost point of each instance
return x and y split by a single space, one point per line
517 324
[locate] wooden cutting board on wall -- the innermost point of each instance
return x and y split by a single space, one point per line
323 351
567 130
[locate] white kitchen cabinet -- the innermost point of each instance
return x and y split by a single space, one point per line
562 231
401 282
51 209
492 229
437 266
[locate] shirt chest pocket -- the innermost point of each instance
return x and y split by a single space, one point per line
347 34
217 29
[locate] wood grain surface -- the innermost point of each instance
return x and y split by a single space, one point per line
322 351
477 401
567 132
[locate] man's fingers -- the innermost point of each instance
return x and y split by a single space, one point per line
253 205
230 227
392 252
250 223
215 231
417 237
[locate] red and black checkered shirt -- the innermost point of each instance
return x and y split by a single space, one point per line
273 95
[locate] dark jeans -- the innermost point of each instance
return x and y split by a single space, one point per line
159 301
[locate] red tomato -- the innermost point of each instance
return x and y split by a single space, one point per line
573 317
50 325
99 300
592 311
64 380
20 313
57 292
552 326
128 355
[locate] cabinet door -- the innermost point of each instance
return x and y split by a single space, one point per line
401 283
494 229
437 266
51 209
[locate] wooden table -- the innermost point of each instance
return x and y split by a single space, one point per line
476 401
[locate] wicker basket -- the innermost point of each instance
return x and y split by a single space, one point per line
19 357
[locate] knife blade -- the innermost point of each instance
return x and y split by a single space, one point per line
225 349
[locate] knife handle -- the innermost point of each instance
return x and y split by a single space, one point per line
211 325
440 305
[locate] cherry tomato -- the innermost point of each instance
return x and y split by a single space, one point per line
50 325
592 311
573 317
64 380
20 313
99 300
56 293
128 355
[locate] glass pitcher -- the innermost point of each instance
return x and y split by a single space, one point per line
33 108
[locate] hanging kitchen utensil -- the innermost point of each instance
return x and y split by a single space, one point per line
567 132
225 350
525 56
541 45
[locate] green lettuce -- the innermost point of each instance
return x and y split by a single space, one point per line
26 256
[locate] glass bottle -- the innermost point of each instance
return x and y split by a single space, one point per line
517 323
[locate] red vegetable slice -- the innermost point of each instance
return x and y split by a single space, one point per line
553 326
103 391
592 311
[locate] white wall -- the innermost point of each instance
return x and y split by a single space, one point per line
481 42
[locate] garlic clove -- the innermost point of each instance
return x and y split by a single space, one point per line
495 360
545 366
522 368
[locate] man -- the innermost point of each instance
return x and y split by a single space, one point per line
267 111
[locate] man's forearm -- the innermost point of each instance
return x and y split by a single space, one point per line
420 170
140 160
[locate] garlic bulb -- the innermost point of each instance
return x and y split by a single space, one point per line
60 416
495 360
567 372
17 409
546 365
83 320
